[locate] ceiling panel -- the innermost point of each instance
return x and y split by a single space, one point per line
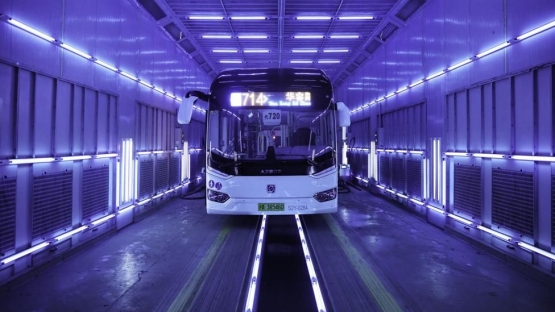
279 28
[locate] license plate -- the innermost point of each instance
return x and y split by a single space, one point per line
271 206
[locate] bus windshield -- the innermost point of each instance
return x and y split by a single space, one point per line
264 133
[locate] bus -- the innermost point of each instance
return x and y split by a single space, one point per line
271 141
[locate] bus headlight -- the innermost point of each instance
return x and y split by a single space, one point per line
217 196
326 195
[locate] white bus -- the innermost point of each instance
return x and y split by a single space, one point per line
271 141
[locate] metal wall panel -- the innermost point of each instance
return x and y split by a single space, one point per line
513 200
7 214
78 119
487 117
461 121
63 122
25 113
175 169
398 173
475 119
545 93
524 128
7 110
90 122
44 115
52 203
502 112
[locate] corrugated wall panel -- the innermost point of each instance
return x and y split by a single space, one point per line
513 200
467 190
95 191
52 203
7 214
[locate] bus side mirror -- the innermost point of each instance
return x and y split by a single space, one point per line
343 114
185 111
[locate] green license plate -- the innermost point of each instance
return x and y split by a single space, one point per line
271 206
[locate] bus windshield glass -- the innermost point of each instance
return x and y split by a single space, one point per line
271 132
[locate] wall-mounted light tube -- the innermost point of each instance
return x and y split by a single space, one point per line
459 64
536 31
357 18
335 50
329 61
402 89
224 51
304 51
417 202
390 191
443 182
105 155
110 67
494 233
205 17
494 49
401 151
159 90
380 150
381 186
231 61
432 76
76 51
461 220
456 154
104 219
80 157
482 155
436 209
70 233
129 76
144 202
301 62
416 152
146 84
24 253
31 30
402 195
21 161
414 84
533 158
216 36
126 208
537 250
308 37
307 17
252 37
248 17
344 36
256 51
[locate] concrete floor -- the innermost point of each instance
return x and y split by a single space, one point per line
373 256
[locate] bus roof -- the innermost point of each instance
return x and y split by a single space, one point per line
271 79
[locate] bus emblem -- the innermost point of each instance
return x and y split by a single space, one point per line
271 188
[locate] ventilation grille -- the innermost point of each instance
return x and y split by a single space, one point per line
372 46
96 184
52 199
384 170
552 210
7 214
409 8
153 8
351 68
175 173
187 46
398 174
387 31
174 31
414 178
146 185
513 200
199 59
360 59
161 174
468 190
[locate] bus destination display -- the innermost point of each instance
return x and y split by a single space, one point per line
238 99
